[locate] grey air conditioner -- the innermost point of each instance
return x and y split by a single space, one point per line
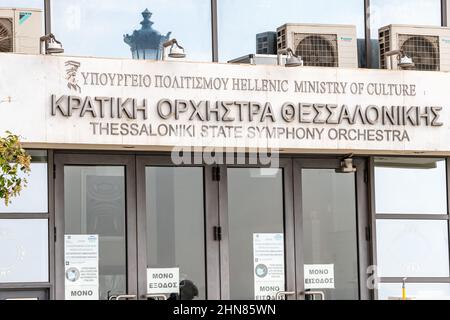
20 30
428 46
321 45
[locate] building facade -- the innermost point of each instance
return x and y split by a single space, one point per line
266 43
202 179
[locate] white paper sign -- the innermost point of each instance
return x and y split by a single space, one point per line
268 263
319 276
81 267
163 280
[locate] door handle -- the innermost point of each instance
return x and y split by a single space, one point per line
315 293
126 296
123 297
156 296
281 294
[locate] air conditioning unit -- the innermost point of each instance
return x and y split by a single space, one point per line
429 47
321 45
20 30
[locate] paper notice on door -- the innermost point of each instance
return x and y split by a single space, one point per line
319 276
268 265
81 267
163 280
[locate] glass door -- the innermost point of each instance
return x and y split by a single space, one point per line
256 217
95 218
332 234
139 227
177 209
300 231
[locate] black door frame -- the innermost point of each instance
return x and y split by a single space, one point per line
363 218
90 159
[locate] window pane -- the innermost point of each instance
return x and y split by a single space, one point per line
255 218
412 248
410 185
94 204
34 197
240 21
415 12
97 27
419 291
175 226
23 250
329 228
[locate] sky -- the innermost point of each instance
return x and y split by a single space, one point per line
96 27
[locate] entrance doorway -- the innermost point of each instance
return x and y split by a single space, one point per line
319 215
213 232
94 197
332 229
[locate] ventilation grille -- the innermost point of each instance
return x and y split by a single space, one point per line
318 50
385 46
6 35
424 50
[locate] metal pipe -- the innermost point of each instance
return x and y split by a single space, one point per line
367 31
48 16
214 32
444 13
42 44
156 296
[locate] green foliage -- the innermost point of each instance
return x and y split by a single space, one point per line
14 164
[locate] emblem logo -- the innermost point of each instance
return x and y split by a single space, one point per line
71 75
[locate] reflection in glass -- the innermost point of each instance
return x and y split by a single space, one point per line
94 203
412 248
415 12
97 27
416 291
37 4
146 43
240 21
23 250
175 226
34 197
329 227
255 206
410 185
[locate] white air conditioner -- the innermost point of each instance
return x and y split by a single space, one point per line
429 47
321 45
20 30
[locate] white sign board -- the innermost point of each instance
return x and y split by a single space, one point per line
163 280
109 103
268 265
319 276
81 267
